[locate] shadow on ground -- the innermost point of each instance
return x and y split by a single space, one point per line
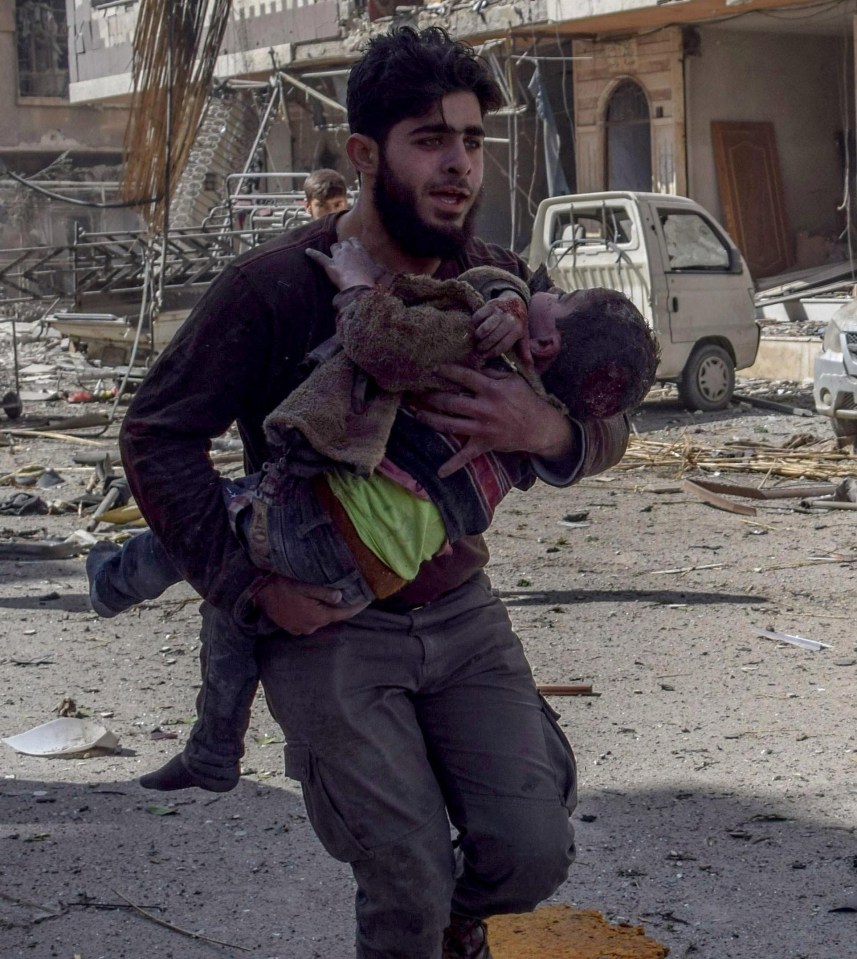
709 873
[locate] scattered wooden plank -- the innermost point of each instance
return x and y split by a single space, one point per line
775 492
716 500
773 405
571 689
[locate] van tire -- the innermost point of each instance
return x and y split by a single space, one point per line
708 379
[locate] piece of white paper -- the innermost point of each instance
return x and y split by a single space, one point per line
63 737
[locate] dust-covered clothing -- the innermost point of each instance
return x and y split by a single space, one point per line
384 713
234 360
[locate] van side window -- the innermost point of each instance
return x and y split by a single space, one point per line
692 244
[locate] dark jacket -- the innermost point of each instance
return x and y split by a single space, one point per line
233 360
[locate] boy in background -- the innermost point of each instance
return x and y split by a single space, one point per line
326 192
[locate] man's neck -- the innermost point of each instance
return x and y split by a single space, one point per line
362 221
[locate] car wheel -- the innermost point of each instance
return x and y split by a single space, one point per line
708 379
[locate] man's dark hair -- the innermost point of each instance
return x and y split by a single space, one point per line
404 73
325 184
608 357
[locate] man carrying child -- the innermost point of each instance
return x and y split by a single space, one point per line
420 710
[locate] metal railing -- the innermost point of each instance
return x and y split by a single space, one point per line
115 262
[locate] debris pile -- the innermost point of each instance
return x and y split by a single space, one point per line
47 370
803 456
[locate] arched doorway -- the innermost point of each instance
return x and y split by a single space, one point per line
629 138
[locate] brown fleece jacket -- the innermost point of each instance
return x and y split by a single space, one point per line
398 336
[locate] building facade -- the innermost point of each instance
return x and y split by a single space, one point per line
72 148
745 105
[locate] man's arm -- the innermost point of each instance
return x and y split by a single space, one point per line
192 394
499 411
215 367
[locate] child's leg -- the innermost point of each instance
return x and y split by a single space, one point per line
121 577
298 540
211 757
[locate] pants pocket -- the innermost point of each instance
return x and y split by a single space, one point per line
324 813
561 756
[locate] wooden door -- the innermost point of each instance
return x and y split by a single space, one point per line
751 193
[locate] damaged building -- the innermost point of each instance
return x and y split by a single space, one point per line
746 106
74 148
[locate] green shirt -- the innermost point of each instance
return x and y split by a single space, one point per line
401 529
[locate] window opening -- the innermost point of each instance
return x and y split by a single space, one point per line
692 243
629 139
42 38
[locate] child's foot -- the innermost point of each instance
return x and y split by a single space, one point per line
176 775
99 555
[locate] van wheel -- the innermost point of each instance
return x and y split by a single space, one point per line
708 379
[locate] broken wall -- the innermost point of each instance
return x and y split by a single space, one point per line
35 129
81 144
801 83
258 36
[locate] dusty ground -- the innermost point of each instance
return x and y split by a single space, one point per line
717 767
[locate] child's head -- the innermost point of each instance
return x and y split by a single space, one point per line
326 192
593 349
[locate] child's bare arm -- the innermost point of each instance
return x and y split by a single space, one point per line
501 326
348 265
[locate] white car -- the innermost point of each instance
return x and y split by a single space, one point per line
834 385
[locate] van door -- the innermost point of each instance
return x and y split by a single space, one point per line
708 289
599 244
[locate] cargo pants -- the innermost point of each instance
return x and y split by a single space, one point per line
400 724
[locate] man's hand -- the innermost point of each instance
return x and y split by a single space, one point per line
494 410
300 608
348 265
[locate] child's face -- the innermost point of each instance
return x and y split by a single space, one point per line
545 310
319 208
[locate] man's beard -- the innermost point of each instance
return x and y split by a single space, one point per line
396 204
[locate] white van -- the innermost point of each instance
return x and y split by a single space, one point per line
677 265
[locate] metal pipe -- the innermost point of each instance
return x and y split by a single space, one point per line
335 104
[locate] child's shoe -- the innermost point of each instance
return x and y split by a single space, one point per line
177 775
102 599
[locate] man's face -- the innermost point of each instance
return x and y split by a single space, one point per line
319 208
429 178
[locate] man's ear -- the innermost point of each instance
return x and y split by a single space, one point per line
363 153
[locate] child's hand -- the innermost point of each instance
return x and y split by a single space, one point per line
348 265
500 325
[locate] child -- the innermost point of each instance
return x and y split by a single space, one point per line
356 467
326 192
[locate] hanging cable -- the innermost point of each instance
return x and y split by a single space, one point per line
119 204
168 158
846 155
